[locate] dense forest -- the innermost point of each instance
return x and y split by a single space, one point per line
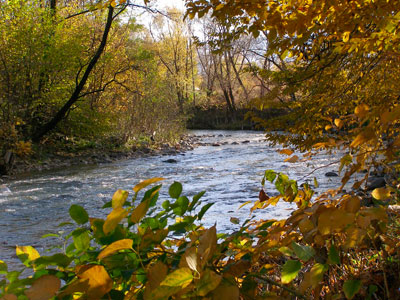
316 75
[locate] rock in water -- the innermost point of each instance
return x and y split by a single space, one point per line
170 161
331 174
4 190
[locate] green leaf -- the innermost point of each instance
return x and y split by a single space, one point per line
351 288
333 255
81 239
182 205
3 267
78 214
196 199
58 259
175 190
204 210
290 270
270 175
303 252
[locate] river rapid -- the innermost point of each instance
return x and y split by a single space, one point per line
229 166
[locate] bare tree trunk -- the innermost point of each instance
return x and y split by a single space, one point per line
79 87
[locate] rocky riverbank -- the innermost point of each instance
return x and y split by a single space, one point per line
64 159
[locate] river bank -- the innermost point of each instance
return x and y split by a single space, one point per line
51 159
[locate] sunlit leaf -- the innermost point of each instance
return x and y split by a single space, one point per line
361 110
139 212
179 278
146 183
290 270
381 193
115 247
287 152
27 254
119 198
346 36
113 219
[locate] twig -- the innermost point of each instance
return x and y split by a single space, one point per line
273 282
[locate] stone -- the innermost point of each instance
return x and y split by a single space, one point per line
376 182
170 161
331 174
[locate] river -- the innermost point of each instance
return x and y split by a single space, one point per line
33 205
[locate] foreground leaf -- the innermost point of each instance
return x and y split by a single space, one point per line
113 219
78 214
119 198
115 247
290 270
351 288
44 288
146 183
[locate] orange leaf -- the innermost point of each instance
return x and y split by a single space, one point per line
44 288
115 247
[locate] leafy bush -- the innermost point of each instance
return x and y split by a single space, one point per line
333 247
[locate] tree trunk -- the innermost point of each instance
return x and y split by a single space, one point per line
78 89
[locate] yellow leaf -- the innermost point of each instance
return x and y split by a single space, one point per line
140 211
339 123
334 220
93 280
119 198
352 204
113 219
354 237
44 288
219 6
292 159
113 3
181 277
313 277
328 127
346 36
361 110
115 247
30 252
288 152
381 193
146 183
365 136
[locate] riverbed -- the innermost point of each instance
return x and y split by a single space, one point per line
228 165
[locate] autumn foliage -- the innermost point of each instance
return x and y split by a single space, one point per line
337 83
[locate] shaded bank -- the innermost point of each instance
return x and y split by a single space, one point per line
215 117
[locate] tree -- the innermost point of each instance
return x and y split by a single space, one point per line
341 61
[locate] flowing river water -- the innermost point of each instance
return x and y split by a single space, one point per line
230 171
